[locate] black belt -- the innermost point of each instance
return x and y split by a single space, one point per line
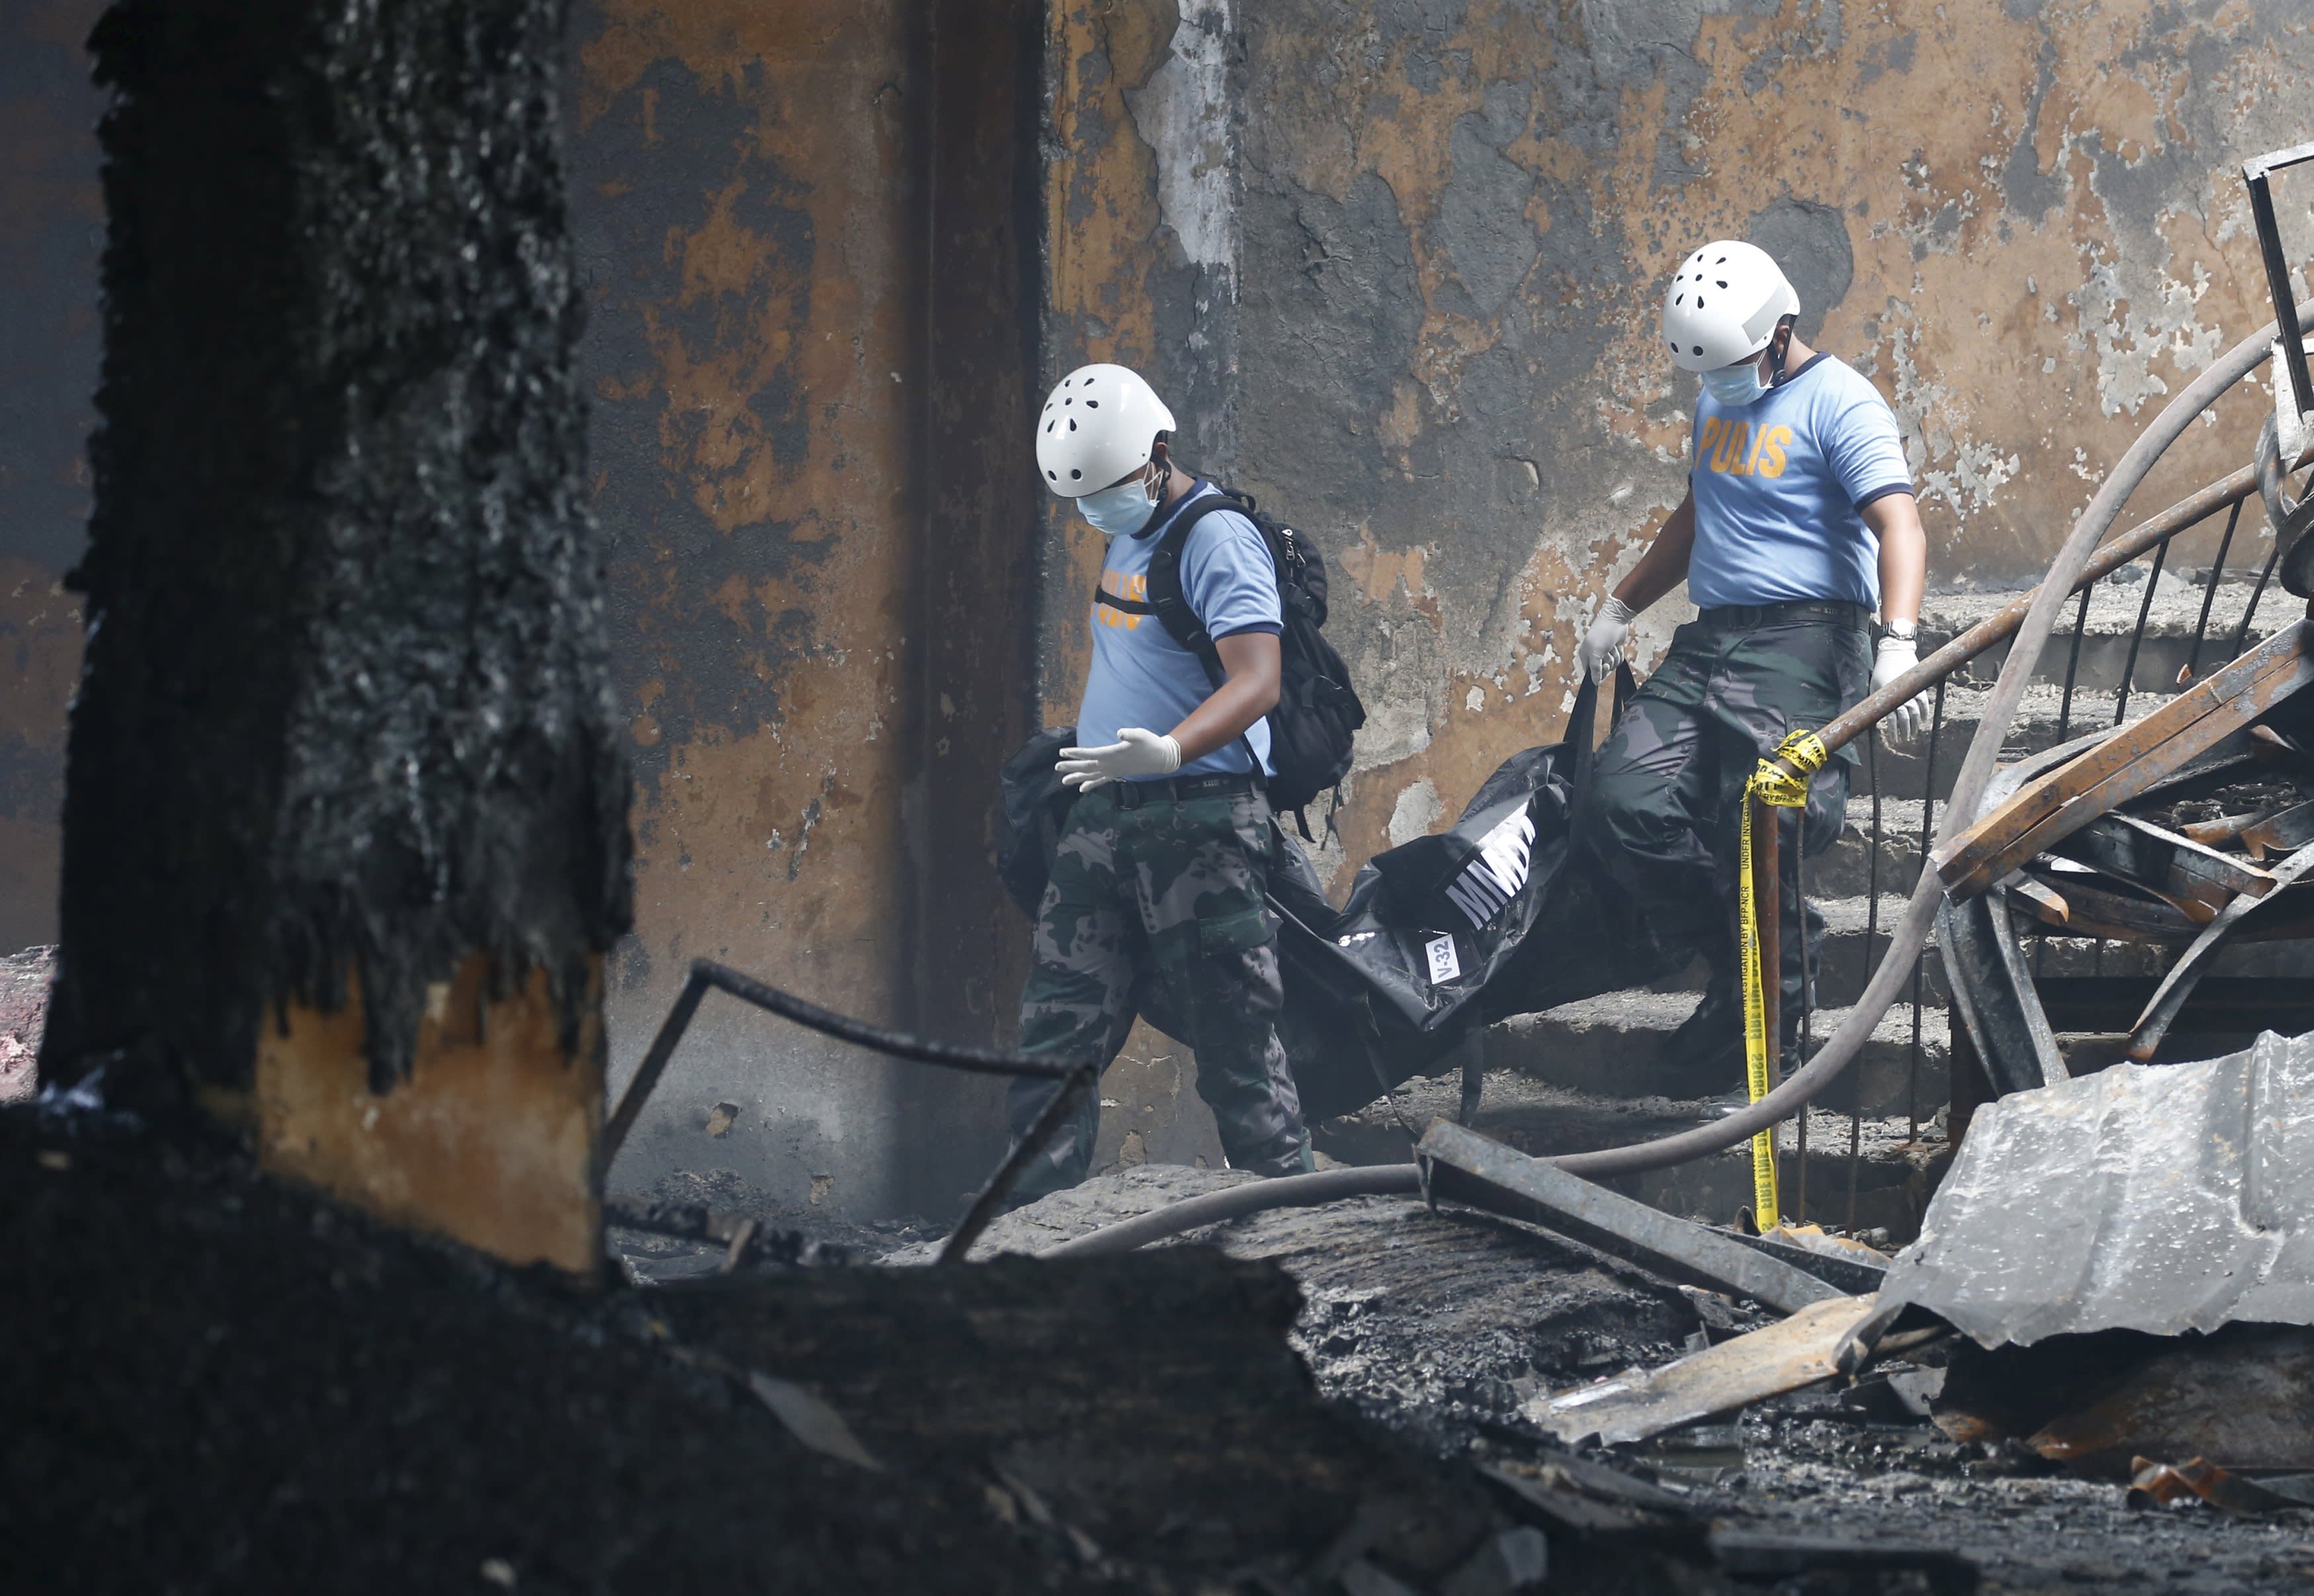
1132 795
1798 609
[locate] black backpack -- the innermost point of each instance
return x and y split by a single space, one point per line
1317 710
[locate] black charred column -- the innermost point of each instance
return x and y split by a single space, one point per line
343 733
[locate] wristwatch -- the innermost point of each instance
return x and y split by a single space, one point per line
1907 630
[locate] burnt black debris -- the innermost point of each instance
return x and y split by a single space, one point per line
215 1382
345 709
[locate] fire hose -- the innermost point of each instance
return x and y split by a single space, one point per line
1912 931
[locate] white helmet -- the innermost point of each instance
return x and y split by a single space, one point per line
1099 426
1724 304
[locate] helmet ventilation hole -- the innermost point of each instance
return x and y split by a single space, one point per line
1699 302
1073 426
1075 476
1699 348
1092 404
1052 476
1050 425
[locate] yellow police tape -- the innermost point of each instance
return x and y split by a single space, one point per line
1775 784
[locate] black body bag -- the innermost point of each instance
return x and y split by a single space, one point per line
1448 933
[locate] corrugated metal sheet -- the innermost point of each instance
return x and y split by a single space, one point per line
2162 1198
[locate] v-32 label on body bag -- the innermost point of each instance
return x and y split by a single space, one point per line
1444 966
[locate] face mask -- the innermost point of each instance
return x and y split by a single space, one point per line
1121 510
1734 386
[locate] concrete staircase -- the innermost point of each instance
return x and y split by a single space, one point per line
1553 1079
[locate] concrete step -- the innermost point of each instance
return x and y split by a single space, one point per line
1893 1177
1845 963
2041 721
1618 1047
1845 868
2113 615
2157 673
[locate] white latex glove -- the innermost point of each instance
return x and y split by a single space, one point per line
1602 648
1135 754
1894 656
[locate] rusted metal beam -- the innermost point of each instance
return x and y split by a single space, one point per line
2046 811
2177 985
2284 833
2094 910
2229 828
1464 1167
2200 880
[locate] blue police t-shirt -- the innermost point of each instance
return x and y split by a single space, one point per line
1141 677
1779 484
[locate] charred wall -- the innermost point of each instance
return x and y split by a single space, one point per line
345 714
2025 223
1394 263
54 212
807 232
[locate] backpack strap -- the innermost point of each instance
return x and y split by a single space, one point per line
1168 601
1171 605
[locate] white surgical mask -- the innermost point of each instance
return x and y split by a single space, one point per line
1121 510
1734 386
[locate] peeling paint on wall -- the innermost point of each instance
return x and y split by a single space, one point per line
743 208
794 272
1183 113
2025 225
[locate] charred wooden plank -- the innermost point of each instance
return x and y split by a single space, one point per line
2048 905
2198 879
1464 1167
2046 811
2096 909
2284 833
1992 993
2176 986
2226 828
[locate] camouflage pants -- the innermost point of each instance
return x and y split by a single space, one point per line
1158 905
1667 798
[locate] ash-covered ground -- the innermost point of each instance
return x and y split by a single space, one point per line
1439 1325
217 1382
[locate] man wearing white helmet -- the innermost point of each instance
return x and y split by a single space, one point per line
1799 523
1155 897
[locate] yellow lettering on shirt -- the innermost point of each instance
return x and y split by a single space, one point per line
1136 588
1771 450
1739 458
1712 427
1727 437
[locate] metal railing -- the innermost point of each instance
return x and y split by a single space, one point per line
1934 675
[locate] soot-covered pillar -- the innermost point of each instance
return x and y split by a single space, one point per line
345 822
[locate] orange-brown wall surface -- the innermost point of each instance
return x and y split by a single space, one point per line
1444 226
809 338
1394 263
